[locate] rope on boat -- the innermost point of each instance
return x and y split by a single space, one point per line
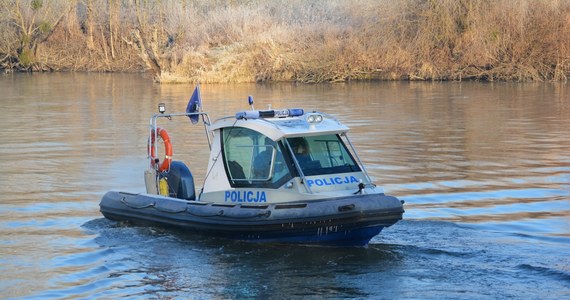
135 207
220 213
153 205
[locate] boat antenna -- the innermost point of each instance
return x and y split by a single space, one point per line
250 101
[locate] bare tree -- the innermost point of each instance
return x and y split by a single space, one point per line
32 22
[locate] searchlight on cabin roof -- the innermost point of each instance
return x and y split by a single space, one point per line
314 118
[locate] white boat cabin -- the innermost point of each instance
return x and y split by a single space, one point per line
259 157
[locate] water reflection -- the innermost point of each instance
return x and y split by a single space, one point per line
491 157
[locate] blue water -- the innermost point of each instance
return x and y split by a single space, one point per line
484 170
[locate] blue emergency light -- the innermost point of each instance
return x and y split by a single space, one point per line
273 113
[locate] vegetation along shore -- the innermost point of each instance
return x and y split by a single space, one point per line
296 40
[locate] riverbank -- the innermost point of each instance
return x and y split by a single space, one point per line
300 41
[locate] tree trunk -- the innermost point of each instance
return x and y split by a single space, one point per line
147 55
147 52
89 25
112 7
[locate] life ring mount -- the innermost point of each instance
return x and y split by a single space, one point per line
163 134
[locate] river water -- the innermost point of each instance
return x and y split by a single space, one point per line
484 169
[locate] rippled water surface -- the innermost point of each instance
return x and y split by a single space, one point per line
484 170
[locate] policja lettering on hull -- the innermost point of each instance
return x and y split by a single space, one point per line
245 196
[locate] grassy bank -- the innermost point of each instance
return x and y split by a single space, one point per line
299 40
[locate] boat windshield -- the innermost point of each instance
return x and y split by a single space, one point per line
324 154
252 159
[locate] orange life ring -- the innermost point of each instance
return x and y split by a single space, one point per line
167 149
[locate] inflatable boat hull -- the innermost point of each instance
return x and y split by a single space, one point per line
344 221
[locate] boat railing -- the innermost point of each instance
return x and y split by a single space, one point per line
153 132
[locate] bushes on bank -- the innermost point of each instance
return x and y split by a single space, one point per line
299 40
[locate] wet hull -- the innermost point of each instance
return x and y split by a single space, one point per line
346 221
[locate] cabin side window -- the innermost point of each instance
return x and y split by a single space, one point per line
252 159
324 154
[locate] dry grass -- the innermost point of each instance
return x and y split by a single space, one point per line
327 41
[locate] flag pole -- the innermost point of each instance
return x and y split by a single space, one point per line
206 123
194 111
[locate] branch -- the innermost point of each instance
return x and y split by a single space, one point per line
7 56
147 56
55 25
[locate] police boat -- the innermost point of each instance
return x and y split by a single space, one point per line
278 176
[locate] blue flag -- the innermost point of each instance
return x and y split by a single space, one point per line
194 105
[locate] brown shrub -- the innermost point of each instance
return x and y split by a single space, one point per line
317 41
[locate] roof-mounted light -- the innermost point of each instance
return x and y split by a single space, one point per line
273 113
314 118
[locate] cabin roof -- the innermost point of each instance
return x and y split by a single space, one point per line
278 128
